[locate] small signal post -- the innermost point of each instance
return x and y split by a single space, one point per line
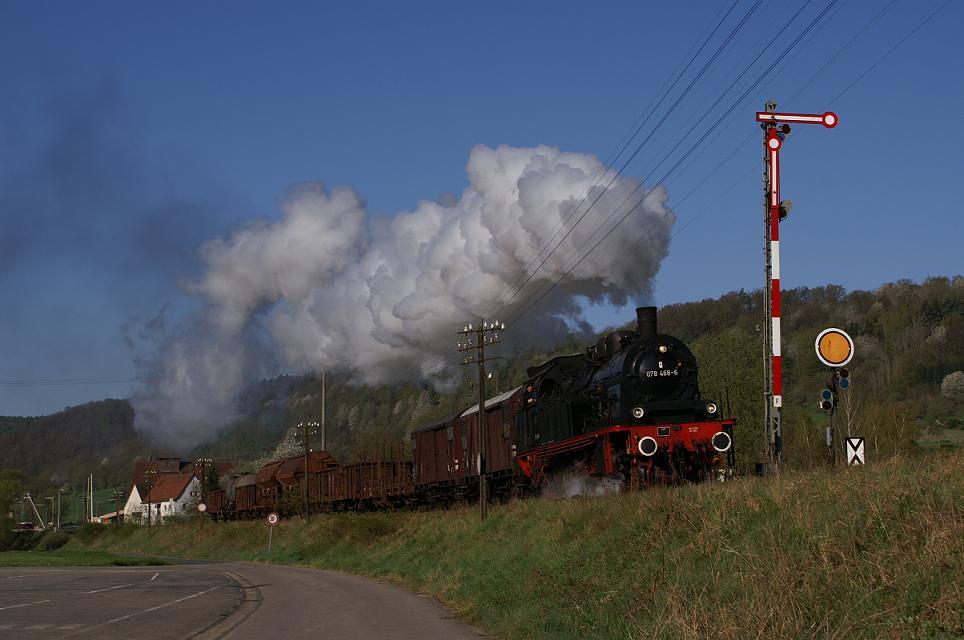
776 127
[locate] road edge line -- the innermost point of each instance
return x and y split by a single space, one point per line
250 601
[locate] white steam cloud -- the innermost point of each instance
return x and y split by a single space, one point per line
330 285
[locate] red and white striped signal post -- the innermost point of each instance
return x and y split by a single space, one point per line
775 127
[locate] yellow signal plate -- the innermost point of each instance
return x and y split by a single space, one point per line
834 347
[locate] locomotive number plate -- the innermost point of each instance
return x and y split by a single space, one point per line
662 373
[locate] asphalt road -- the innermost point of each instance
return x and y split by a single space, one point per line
208 601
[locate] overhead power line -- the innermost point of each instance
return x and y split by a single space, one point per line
53 382
554 283
502 305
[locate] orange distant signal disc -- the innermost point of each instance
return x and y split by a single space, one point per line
834 347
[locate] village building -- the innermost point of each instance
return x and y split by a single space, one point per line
171 495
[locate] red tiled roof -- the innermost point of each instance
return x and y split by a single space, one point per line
161 466
169 486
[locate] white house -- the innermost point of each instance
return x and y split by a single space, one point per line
172 494
133 511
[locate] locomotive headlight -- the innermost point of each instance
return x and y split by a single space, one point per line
711 408
647 445
663 348
721 441
638 412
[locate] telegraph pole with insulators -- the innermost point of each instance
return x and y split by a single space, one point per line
775 127
477 339
306 430
149 475
203 463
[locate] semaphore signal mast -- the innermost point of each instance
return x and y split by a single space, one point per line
776 126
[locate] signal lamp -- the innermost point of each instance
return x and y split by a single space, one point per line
843 372
826 405
844 383
826 394
785 207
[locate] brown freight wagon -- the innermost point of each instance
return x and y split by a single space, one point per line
216 502
291 473
366 485
500 433
246 495
436 457
269 489
446 451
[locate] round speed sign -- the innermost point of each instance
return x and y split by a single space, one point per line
273 519
834 347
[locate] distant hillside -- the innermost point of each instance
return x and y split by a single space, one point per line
97 437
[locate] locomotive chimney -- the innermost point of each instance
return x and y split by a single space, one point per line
646 322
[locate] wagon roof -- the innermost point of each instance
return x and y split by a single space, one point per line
288 469
266 474
491 402
246 480
440 422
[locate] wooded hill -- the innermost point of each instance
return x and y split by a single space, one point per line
907 385
907 388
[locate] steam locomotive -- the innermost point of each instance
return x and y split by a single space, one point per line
628 409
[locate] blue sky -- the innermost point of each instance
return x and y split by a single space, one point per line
130 134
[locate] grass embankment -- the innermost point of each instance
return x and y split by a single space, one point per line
861 553
71 558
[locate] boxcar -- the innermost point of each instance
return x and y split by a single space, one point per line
246 495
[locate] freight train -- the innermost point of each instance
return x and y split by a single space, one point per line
628 409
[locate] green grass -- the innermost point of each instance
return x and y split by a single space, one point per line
71 558
873 552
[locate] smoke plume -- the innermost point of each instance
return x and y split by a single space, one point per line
331 286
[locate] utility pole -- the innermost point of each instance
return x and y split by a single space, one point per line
308 429
116 495
324 431
90 501
149 475
775 130
476 340
203 462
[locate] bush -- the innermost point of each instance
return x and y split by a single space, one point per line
53 540
89 531
7 536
